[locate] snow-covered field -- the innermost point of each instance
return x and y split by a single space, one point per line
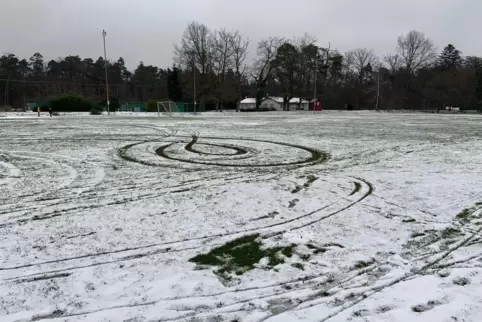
101 217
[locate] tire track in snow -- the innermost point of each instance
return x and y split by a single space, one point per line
377 289
316 155
188 244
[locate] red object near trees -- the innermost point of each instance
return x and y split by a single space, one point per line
318 106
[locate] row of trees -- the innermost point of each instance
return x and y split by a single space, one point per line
211 68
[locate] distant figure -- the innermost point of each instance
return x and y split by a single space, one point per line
50 111
38 111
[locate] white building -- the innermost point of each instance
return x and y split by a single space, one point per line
295 104
247 104
272 104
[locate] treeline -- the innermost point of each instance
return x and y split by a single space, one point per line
211 68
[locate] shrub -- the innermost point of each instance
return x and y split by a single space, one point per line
71 102
114 104
151 106
96 110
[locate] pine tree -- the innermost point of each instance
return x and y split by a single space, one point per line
174 89
450 57
478 89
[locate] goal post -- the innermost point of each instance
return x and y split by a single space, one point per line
167 107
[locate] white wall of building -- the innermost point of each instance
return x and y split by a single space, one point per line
247 104
271 104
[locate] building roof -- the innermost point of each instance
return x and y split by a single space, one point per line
248 100
297 100
277 99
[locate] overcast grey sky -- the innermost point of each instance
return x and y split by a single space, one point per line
147 29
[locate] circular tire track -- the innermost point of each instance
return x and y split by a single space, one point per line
315 156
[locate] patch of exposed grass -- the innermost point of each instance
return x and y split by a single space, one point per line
407 220
293 203
450 232
384 309
241 255
360 313
311 246
311 178
298 266
55 314
419 308
319 251
297 189
305 257
478 203
464 214
461 281
363 264
415 235
288 251
425 307
316 250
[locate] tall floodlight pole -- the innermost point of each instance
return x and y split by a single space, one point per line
194 80
106 78
378 88
316 73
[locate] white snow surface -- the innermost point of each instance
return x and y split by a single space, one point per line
100 215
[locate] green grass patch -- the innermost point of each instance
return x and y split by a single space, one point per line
311 178
298 266
297 189
241 255
407 220
363 264
305 257
417 234
311 246
316 250
464 214
450 232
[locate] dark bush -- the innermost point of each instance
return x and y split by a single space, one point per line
96 110
151 106
71 102
114 104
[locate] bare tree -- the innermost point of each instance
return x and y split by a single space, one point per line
240 51
194 47
348 64
263 66
362 60
393 62
222 51
194 52
415 51
222 54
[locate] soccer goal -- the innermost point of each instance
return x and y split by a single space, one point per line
167 107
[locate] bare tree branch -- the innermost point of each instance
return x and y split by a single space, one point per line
194 48
415 50
393 62
362 58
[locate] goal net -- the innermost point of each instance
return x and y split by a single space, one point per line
167 108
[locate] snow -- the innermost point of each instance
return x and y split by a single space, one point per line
297 100
277 99
100 215
248 100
